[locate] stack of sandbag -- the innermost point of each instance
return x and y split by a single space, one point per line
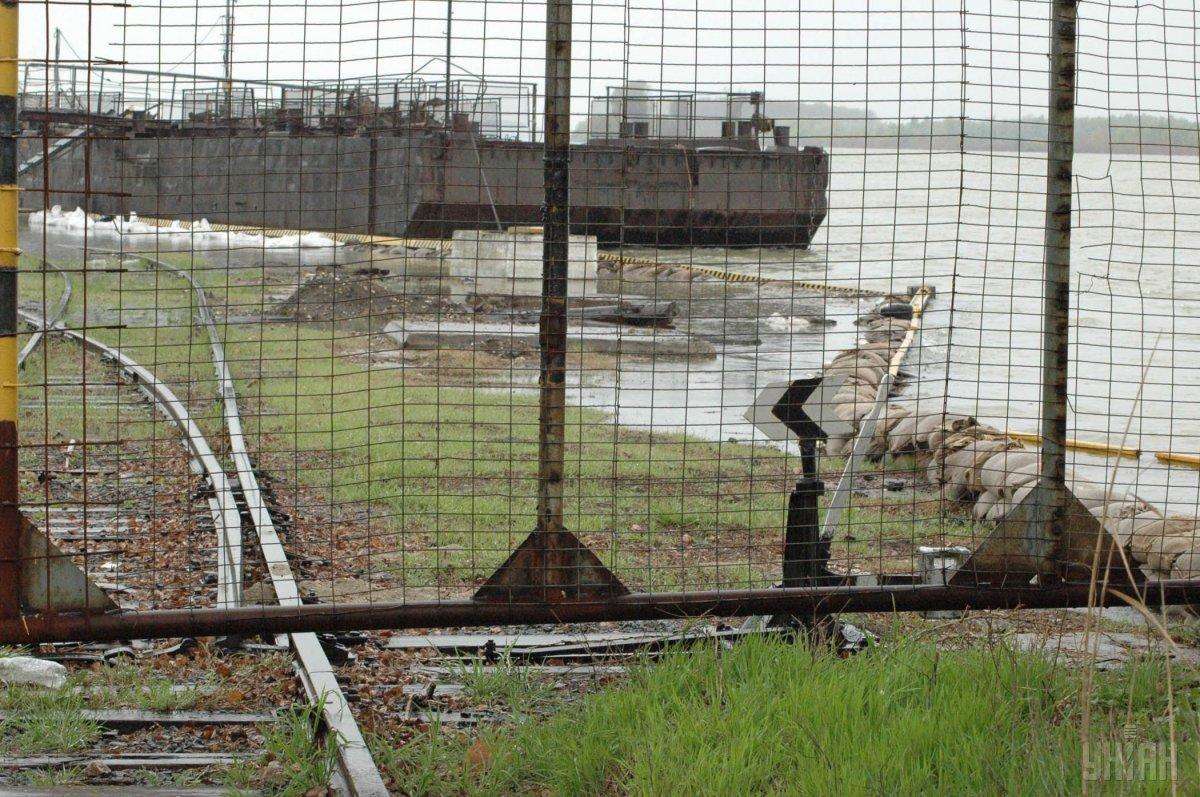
864 367
979 465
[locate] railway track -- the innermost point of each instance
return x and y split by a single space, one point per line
236 500
356 767
412 681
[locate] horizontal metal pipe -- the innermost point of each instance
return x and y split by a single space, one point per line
639 606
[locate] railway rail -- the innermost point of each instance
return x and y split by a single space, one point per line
356 773
357 769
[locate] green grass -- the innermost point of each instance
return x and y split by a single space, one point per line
506 685
449 468
449 472
294 759
772 718
128 684
127 430
50 721
50 778
41 721
449 475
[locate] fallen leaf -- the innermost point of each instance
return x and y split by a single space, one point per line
478 755
96 769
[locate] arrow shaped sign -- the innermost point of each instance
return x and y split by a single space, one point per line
801 409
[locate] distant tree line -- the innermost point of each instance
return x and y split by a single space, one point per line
1116 133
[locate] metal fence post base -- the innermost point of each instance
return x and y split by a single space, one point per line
551 567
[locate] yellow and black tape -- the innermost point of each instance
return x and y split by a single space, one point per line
738 276
9 250
11 566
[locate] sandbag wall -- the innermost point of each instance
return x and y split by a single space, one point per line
981 467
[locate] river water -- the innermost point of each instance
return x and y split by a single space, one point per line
971 227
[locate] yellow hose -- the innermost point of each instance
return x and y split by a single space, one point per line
1089 446
1171 458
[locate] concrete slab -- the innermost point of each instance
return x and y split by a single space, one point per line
585 337
1111 649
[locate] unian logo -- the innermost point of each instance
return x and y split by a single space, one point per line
1127 759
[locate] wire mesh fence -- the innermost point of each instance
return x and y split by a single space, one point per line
328 286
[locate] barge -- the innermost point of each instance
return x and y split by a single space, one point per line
411 164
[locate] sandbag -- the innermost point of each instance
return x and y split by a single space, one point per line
1186 566
889 418
1161 555
985 452
1091 494
1155 538
837 446
979 462
1008 503
953 473
994 475
900 438
945 423
1138 531
984 503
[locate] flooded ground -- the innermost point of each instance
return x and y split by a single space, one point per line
971 226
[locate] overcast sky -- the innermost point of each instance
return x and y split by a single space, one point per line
898 63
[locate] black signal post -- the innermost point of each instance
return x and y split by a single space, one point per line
805 554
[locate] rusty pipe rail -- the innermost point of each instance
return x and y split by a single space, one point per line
633 606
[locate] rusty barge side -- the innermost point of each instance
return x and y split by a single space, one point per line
430 183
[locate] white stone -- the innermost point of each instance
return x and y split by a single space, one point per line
28 671
509 263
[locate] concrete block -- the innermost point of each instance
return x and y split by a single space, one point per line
938 566
509 263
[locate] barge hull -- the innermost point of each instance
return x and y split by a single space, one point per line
611 226
429 184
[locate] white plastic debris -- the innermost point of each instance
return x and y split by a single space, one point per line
29 671
783 323
198 234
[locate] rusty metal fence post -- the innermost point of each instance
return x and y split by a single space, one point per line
1060 150
553 564
555 246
